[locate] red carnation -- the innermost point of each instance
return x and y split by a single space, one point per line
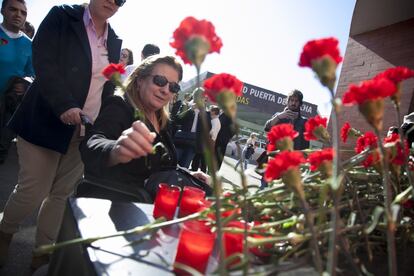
315 129
282 162
368 140
397 157
322 55
396 74
345 131
369 90
223 89
112 70
194 39
369 95
222 83
318 157
319 48
4 41
280 137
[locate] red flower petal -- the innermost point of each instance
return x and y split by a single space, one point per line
282 162
191 27
378 88
319 48
222 83
112 68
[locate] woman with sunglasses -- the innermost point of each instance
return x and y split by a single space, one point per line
118 154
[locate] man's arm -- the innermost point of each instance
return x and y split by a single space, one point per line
46 55
271 122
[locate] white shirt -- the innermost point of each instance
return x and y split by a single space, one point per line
195 120
128 71
215 128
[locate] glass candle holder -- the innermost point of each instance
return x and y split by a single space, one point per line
191 201
233 242
194 246
166 201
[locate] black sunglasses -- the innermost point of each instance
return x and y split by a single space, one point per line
120 3
162 81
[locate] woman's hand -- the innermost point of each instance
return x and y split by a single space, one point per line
135 142
201 176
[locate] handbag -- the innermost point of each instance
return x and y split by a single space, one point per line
178 177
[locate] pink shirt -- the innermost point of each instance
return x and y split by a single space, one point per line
99 53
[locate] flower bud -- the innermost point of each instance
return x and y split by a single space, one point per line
373 111
196 49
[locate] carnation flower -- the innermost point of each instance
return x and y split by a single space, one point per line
194 39
223 89
3 41
280 137
368 140
396 154
345 131
281 163
396 75
315 129
113 72
369 96
369 90
322 160
322 55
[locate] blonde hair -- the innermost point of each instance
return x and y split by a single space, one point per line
144 70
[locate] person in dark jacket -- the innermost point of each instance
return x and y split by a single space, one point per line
118 154
227 130
290 115
72 46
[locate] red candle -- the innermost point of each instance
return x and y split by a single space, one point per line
166 201
194 246
191 201
233 242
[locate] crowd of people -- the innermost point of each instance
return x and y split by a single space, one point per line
68 139
77 135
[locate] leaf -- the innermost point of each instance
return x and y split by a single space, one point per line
375 218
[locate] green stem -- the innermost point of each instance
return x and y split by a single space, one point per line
333 240
392 259
212 164
45 249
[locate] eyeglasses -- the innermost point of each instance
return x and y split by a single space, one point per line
162 81
120 3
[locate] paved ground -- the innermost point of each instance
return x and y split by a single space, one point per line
22 243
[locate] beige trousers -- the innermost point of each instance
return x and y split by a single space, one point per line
46 179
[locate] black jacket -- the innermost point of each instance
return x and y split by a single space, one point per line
62 61
116 116
299 143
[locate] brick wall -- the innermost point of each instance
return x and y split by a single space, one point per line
368 54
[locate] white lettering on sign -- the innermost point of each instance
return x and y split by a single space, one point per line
262 95
245 89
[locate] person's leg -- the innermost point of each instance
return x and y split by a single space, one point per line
36 173
6 137
195 164
68 174
263 183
